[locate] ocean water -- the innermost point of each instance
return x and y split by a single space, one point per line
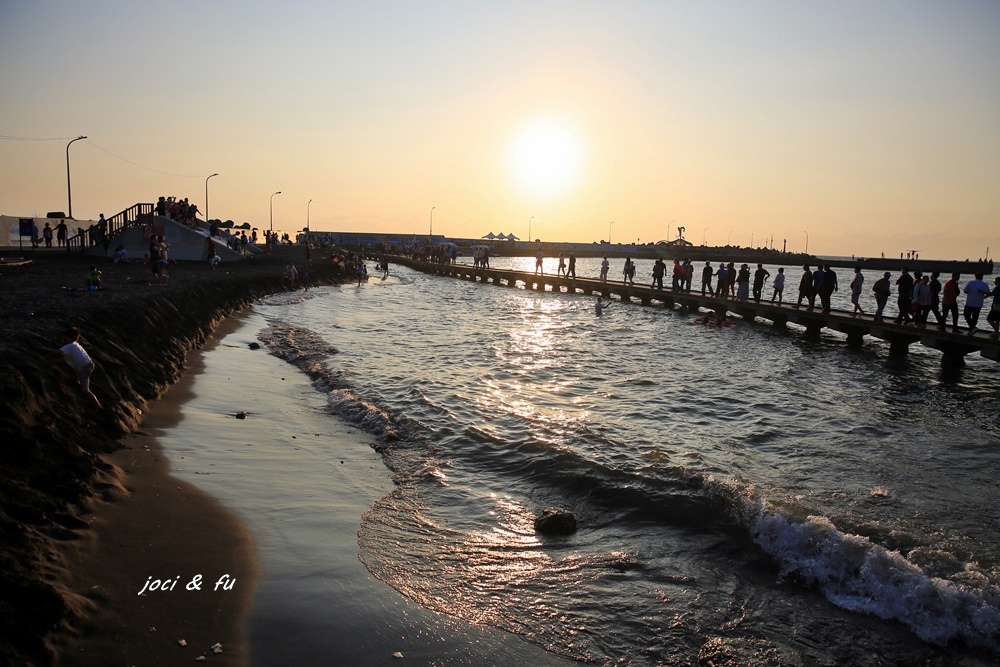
743 495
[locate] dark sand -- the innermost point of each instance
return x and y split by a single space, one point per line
88 510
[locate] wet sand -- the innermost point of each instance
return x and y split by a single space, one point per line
157 526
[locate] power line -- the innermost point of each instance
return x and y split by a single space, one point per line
136 164
10 138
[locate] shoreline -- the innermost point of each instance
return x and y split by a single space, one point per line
137 536
138 333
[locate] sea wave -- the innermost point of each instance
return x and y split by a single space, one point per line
850 570
858 575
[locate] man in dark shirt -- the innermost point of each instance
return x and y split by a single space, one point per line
828 287
706 279
759 276
904 292
816 286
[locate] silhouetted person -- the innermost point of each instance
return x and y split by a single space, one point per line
904 296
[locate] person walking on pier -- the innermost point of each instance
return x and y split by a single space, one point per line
572 266
904 296
678 275
605 267
706 279
949 302
882 291
743 280
856 285
921 301
993 317
659 268
759 277
779 285
628 272
829 287
688 274
805 285
562 265
817 285
539 256
977 290
723 282
935 286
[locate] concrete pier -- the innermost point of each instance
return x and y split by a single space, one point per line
953 346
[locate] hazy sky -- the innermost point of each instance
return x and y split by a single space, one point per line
872 126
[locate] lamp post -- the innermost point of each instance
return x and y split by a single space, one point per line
729 238
704 237
271 202
308 204
206 199
609 231
69 188
430 235
529 228
807 241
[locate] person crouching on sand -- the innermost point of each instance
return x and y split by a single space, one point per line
78 359
93 277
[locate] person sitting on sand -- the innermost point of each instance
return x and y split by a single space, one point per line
121 254
78 359
93 277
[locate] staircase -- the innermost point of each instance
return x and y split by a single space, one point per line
133 216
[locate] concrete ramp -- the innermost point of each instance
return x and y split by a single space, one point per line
185 243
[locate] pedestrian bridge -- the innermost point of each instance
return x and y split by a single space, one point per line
953 346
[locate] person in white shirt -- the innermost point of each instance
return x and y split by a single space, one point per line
778 285
977 290
78 359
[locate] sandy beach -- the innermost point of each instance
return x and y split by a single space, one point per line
89 511
156 527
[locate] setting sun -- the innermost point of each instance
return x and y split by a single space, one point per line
545 158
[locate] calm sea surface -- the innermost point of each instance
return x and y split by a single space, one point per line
739 491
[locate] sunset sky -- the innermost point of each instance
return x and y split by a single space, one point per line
869 126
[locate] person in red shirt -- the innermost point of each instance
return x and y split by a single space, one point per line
949 302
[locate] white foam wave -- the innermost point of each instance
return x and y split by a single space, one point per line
858 575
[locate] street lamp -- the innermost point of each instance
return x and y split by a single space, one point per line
431 234
609 231
704 237
729 238
69 189
272 213
807 241
529 228
308 204
206 199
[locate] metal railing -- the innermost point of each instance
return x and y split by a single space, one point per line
133 216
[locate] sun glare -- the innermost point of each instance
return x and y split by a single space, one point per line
545 159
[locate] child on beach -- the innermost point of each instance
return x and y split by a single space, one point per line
78 359
93 277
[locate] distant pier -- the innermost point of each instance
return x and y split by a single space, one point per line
953 346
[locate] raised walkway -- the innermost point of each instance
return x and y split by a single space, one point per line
953 346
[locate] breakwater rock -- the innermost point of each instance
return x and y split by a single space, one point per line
138 331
